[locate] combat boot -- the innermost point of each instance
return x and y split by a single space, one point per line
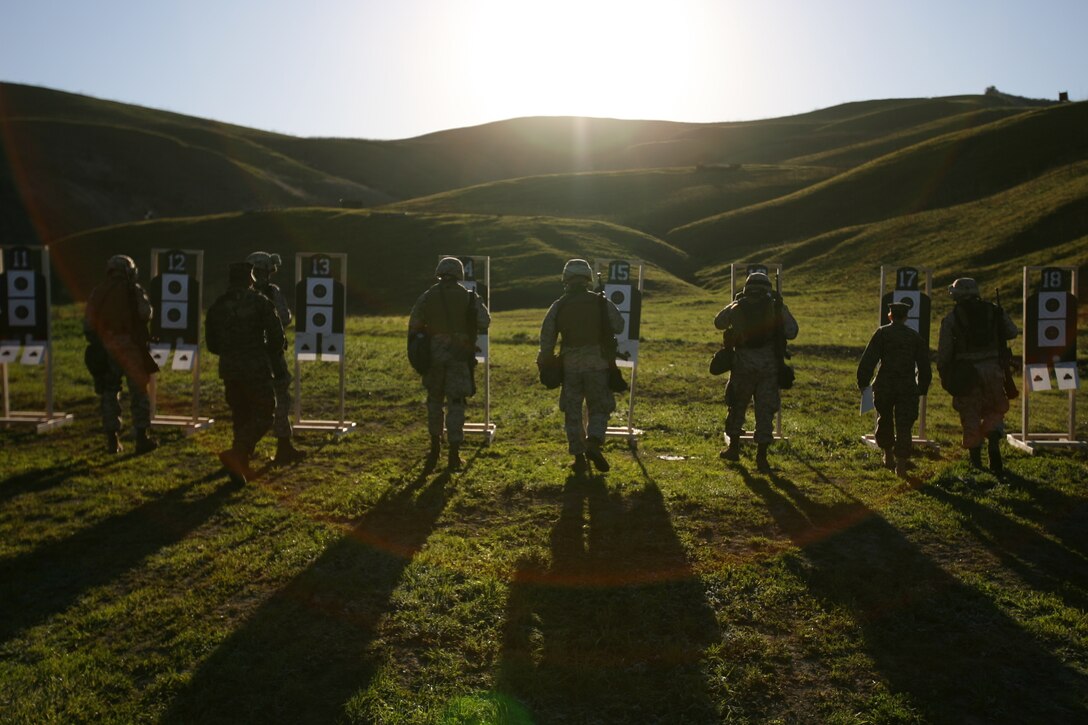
761 458
732 453
286 454
901 468
237 466
432 455
144 444
889 459
993 451
453 459
976 456
580 465
113 442
593 453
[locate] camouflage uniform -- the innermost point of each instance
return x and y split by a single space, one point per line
115 325
970 332
576 319
281 376
755 362
443 312
901 352
243 329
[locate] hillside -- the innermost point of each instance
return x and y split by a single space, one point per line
392 255
70 163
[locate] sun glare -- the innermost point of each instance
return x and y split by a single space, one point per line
565 57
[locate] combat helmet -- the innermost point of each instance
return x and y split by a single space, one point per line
963 288
757 279
575 268
121 265
264 264
450 267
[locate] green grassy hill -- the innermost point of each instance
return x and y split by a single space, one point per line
392 255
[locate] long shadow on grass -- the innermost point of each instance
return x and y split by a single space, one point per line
943 644
614 629
303 653
1064 517
37 480
49 579
1041 563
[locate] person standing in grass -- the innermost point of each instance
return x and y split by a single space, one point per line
266 265
450 317
760 323
115 325
973 338
904 375
581 319
243 329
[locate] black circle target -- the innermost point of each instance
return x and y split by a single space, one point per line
174 287
320 319
320 291
1053 304
173 314
22 284
22 312
618 297
1052 333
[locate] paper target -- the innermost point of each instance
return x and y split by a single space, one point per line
9 351
332 347
319 320
21 284
33 354
305 346
1052 333
1053 305
619 295
160 353
175 288
22 313
319 291
912 299
1039 377
1067 376
174 315
184 357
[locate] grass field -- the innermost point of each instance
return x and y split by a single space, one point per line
674 589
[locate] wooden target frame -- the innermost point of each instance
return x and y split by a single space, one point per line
918 440
485 427
747 268
194 422
628 431
44 420
342 426
1026 440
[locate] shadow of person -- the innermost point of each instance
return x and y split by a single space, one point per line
1062 515
40 479
1040 562
50 578
303 653
957 656
614 627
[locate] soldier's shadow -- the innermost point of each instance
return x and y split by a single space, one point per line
49 579
614 627
944 644
303 653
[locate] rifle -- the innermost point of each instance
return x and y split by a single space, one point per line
1004 352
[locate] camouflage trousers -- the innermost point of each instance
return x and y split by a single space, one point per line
108 386
252 404
896 412
281 422
448 384
982 411
590 386
748 384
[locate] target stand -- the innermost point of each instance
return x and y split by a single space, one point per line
918 319
26 327
623 287
177 298
320 309
1050 345
743 269
478 280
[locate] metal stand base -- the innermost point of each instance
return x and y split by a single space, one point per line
751 437
631 434
44 421
485 429
870 440
1037 441
191 425
338 428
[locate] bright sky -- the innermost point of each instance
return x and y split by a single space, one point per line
387 69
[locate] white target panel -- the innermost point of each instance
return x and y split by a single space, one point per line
1052 333
1053 305
174 315
184 356
619 295
22 312
160 353
1067 376
305 346
175 287
21 283
912 299
33 354
9 351
332 347
319 319
319 291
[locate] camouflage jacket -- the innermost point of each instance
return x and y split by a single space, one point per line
902 355
575 318
971 332
118 309
244 330
273 292
444 312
